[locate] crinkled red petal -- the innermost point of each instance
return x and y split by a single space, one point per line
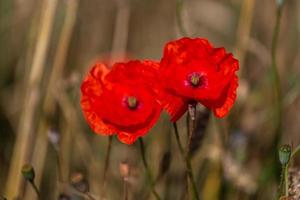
222 106
132 133
104 99
113 107
217 68
231 97
92 88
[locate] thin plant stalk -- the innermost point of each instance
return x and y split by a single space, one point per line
277 91
186 157
278 99
284 187
107 158
58 165
297 149
150 178
243 32
286 180
37 191
23 144
106 165
41 147
276 78
188 125
191 124
125 188
188 131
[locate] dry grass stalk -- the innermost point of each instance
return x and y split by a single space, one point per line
119 46
70 115
120 38
40 150
21 152
243 31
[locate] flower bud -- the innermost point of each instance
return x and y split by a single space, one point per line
79 182
28 172
124 169
284 154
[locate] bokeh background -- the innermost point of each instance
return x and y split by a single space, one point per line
47 46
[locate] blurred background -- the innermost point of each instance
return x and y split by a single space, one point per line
47 46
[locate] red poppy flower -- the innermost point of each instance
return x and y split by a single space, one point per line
121 100
192 70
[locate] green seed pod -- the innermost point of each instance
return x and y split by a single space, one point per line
79 182
28 172
279 2
285 154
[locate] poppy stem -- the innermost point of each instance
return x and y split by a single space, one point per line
278 105
276 78
37 191
191 125
58 165
125 189
186 157
106 165
143 154
188 117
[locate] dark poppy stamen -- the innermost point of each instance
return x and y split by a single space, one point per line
195 79
132 102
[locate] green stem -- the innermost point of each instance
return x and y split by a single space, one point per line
284 186
188 124
37 191
187 160
125 189
192 124
107 158
59 170
286 181
295 151
106 164
276 78
143 154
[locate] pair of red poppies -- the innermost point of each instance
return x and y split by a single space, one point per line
128 98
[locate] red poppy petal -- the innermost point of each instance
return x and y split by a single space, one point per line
176 106
94 120
127 138
229 65
134 72
131 135
112 105
93 83
92 88
184 50
217 55
231 96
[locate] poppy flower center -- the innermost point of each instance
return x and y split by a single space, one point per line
195 79
132 102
